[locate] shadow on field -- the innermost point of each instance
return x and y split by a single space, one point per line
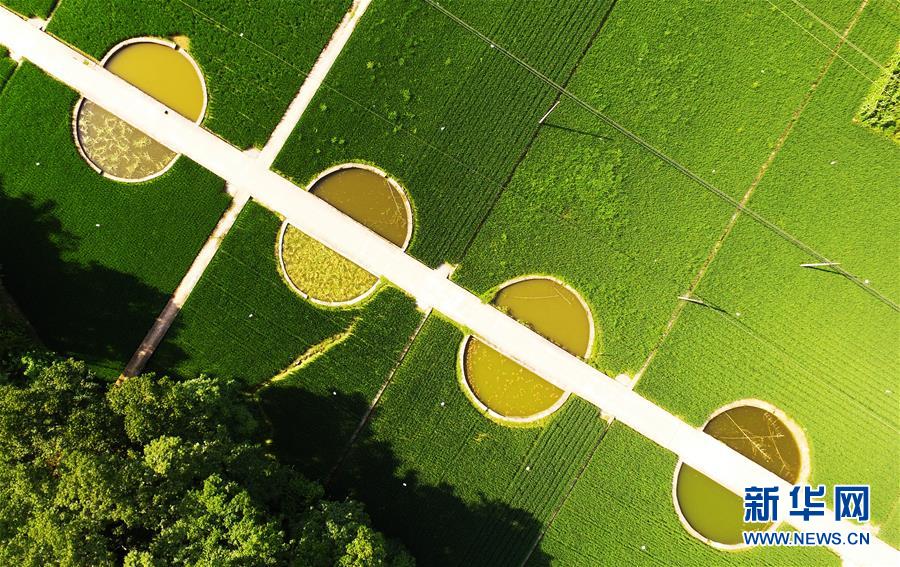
311 431
87 311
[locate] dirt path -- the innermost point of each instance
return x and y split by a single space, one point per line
430 287
161 326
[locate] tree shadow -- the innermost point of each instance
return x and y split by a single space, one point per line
311 431
88 311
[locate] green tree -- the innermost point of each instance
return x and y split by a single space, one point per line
157 471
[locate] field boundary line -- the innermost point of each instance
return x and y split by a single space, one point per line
729 226
668 160
537 130
565 497
371 410
430 287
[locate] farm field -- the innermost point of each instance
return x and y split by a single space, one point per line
437 109
32 8
7 66
788 345
633 250
254 55
85 228
90 261
457 487
597 189
242 321
629 231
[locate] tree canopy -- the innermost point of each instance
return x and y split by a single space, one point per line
157 471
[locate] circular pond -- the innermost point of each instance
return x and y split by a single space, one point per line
759 432
505 389
369 197
163 71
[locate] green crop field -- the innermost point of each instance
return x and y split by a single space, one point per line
439 110
7 66
32 8
630 233
834 183
787 107
254 55
90 261
459 488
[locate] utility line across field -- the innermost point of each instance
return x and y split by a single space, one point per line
563 92
739 205
825 45
813 376
637 139
430 287
836 33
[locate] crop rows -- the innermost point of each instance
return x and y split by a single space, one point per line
254 55
31 8
626 230
453 120
316 409
553 463
90 261
629 233
621 513
800 355
439 110
459 488
806 339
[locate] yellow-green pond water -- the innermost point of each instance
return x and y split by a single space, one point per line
715 512
553 311
164 73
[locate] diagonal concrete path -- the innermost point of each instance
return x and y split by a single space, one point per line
431 289
173 306
313 81
240 197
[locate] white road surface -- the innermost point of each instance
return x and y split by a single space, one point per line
266 156
431 289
